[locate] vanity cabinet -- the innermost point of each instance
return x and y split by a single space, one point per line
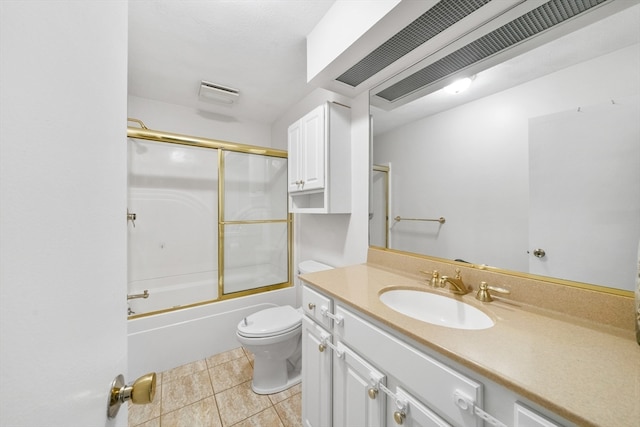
319 163
525 417
316 376
357 400
377 377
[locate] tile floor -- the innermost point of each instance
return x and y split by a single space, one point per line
216 392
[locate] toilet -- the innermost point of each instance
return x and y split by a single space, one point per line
274 336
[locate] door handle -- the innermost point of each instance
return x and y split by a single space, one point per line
539 253
142 391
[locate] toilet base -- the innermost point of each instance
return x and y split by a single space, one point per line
265 382
295 380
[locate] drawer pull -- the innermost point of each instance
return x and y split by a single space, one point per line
399 416
311 306
325 312
321 347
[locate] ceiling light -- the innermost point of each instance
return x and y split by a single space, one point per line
459 85
211 92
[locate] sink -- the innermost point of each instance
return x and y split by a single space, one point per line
436 309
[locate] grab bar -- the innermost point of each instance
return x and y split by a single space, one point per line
441 220
144 294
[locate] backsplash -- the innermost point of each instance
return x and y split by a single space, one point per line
600 308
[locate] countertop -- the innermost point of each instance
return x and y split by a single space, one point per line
583 373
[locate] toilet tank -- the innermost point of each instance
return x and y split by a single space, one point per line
311 266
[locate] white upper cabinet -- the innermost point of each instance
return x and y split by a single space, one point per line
307 152
319 176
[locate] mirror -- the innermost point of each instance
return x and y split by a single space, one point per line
535 168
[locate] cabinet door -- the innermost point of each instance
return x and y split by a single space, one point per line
295 155
353 402
313 139
316 376
415 414
525 417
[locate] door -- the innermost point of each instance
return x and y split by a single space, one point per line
379 205
586 219
295 153
356 399
316 380
63 211
313 138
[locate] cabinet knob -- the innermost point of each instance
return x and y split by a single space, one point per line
311 306
399 417
321 348
373 392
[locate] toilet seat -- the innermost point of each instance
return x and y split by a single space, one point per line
270 322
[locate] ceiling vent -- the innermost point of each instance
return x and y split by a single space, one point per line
218 94
509 35
440 17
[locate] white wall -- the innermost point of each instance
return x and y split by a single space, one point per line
63 75
167 117
484 144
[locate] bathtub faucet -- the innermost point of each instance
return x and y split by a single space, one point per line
144 294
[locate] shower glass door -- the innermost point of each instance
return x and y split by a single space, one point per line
172 250
254 225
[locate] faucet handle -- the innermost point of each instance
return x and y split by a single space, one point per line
484 295
435 275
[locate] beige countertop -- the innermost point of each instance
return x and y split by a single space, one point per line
584 373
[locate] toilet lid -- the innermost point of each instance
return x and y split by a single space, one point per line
270 321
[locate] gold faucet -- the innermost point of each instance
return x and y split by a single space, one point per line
435 276
457 285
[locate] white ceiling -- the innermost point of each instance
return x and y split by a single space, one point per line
612 33
255 46
259 48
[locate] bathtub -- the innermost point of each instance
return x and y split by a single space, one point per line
167 340
170 292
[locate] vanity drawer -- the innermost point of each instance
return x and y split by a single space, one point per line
313 304
431 381
525 417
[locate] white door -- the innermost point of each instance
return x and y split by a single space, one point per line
313 138
63 211
586 220
295 155
316 376
356 399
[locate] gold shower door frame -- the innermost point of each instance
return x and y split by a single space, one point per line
172 138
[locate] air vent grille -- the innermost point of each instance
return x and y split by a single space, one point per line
516 31
441 16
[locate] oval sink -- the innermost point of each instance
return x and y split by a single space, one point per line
436 309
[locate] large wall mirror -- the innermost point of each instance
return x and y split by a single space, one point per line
535 168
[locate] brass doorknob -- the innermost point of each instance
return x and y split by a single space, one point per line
142 391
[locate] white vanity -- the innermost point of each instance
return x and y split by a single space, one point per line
367 365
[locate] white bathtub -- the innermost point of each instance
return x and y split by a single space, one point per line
163 341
